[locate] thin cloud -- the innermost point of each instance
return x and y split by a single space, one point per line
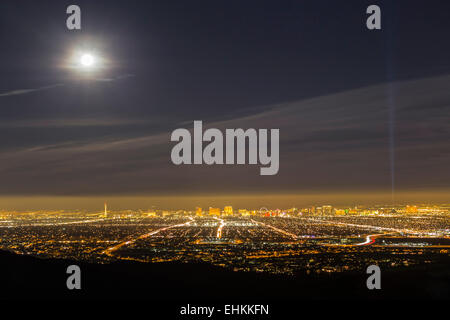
76 122
25 91
125 76
341 140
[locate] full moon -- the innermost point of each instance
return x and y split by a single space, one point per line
87 60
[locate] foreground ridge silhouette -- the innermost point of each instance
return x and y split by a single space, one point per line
26 277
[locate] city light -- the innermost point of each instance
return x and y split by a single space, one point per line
318 238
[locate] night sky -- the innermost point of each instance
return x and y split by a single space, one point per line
358 110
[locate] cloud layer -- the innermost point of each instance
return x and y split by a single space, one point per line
335 142
25 91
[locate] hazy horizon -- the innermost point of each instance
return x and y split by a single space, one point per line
249 201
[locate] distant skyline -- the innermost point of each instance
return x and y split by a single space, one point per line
243 201
360 113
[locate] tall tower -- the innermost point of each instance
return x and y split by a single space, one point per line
106 210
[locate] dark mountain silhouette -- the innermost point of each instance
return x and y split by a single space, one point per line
26 277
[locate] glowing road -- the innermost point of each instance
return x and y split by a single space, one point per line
365 226
118 246
219 230
370 239
276 229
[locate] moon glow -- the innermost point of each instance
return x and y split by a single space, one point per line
87 60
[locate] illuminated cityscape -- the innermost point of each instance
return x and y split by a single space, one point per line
212 155
315 239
